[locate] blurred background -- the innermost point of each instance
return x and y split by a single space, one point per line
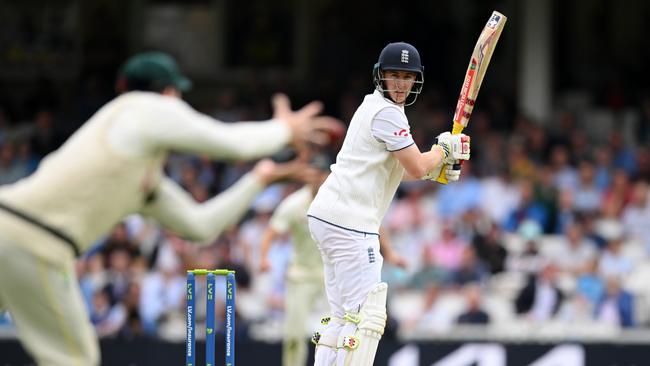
541 251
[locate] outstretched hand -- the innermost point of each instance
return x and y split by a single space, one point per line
305 124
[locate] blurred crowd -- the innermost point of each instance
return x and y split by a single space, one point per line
549 223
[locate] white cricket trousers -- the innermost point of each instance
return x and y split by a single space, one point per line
351 262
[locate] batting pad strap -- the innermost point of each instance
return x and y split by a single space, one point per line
326 320
329 336
335 321
328 340
352 318
348 342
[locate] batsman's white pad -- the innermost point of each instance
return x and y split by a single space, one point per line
370 328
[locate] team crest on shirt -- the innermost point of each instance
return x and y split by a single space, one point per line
371 255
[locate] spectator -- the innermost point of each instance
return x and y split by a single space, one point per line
623 155
119 275
643 163
445 256
612 261
490 250
93 278
590 285
604 168
132 326
617 196
537 143
564 175
100 306
636 216
471 269
565 215
587 195
473 314
163 292
410 212
11 168
576 251
540 299
435 315
528 260
499 196
46 137
26 157
616 306
527 209
227 108
520 165
465 195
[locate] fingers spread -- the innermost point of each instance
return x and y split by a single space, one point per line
281 104
310 109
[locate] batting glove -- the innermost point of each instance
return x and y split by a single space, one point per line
455 147
452 171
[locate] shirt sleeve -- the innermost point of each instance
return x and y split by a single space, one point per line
391 127
172 124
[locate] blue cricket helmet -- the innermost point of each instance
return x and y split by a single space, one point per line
399 56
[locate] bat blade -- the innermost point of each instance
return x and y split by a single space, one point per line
478 64
474 75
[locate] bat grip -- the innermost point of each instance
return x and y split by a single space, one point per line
458 128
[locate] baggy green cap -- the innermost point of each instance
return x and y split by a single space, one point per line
157 69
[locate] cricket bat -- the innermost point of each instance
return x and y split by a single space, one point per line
478 64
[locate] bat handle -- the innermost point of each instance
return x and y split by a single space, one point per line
456 129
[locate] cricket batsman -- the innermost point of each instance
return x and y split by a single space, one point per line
344 219
110 168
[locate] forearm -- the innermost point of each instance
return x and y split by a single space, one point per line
388 252
428 162
227 208
432 159
204 222
417 164
384 244
409 178
267 240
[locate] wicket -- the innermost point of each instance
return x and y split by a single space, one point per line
190 355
